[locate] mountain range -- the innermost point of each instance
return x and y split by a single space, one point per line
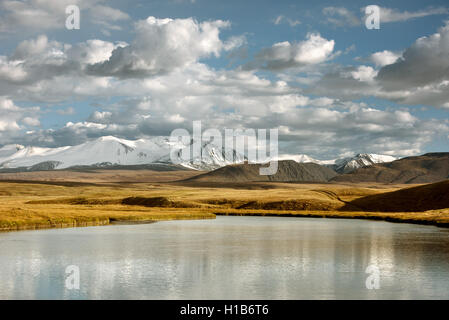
427 168
109 151
287 171
160 154
343 165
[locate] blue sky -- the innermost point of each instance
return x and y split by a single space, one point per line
313 70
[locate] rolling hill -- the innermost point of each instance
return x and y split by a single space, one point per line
288 171
428 168
415 199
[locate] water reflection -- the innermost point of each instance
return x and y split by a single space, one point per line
228 258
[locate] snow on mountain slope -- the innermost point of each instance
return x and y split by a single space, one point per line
300 158
114 151
111 150
211 157
9 150
346 165
103 150
342 165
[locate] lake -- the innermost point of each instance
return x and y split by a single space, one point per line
229 258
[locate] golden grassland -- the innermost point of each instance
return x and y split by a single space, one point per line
33 205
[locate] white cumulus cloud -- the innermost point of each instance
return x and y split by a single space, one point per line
163 45
283 55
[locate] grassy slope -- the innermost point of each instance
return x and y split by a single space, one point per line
426 197
32 206
287 170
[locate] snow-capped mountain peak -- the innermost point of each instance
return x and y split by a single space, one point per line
346 165
211 157
109 150
343 165
300 158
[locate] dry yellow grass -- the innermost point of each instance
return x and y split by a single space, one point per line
31 205
67 216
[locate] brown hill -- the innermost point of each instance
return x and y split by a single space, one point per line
428 168
422 198
288 171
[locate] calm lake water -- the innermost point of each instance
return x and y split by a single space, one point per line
228 258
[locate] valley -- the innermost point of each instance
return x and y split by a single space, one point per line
102 200
111 180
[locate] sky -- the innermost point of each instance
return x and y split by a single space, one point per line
313 70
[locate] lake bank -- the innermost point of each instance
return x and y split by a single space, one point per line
17 222
439 218
435 218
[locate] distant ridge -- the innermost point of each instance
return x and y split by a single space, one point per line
428 168
288 171
342 165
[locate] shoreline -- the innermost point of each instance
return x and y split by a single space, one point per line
373 216
96 223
